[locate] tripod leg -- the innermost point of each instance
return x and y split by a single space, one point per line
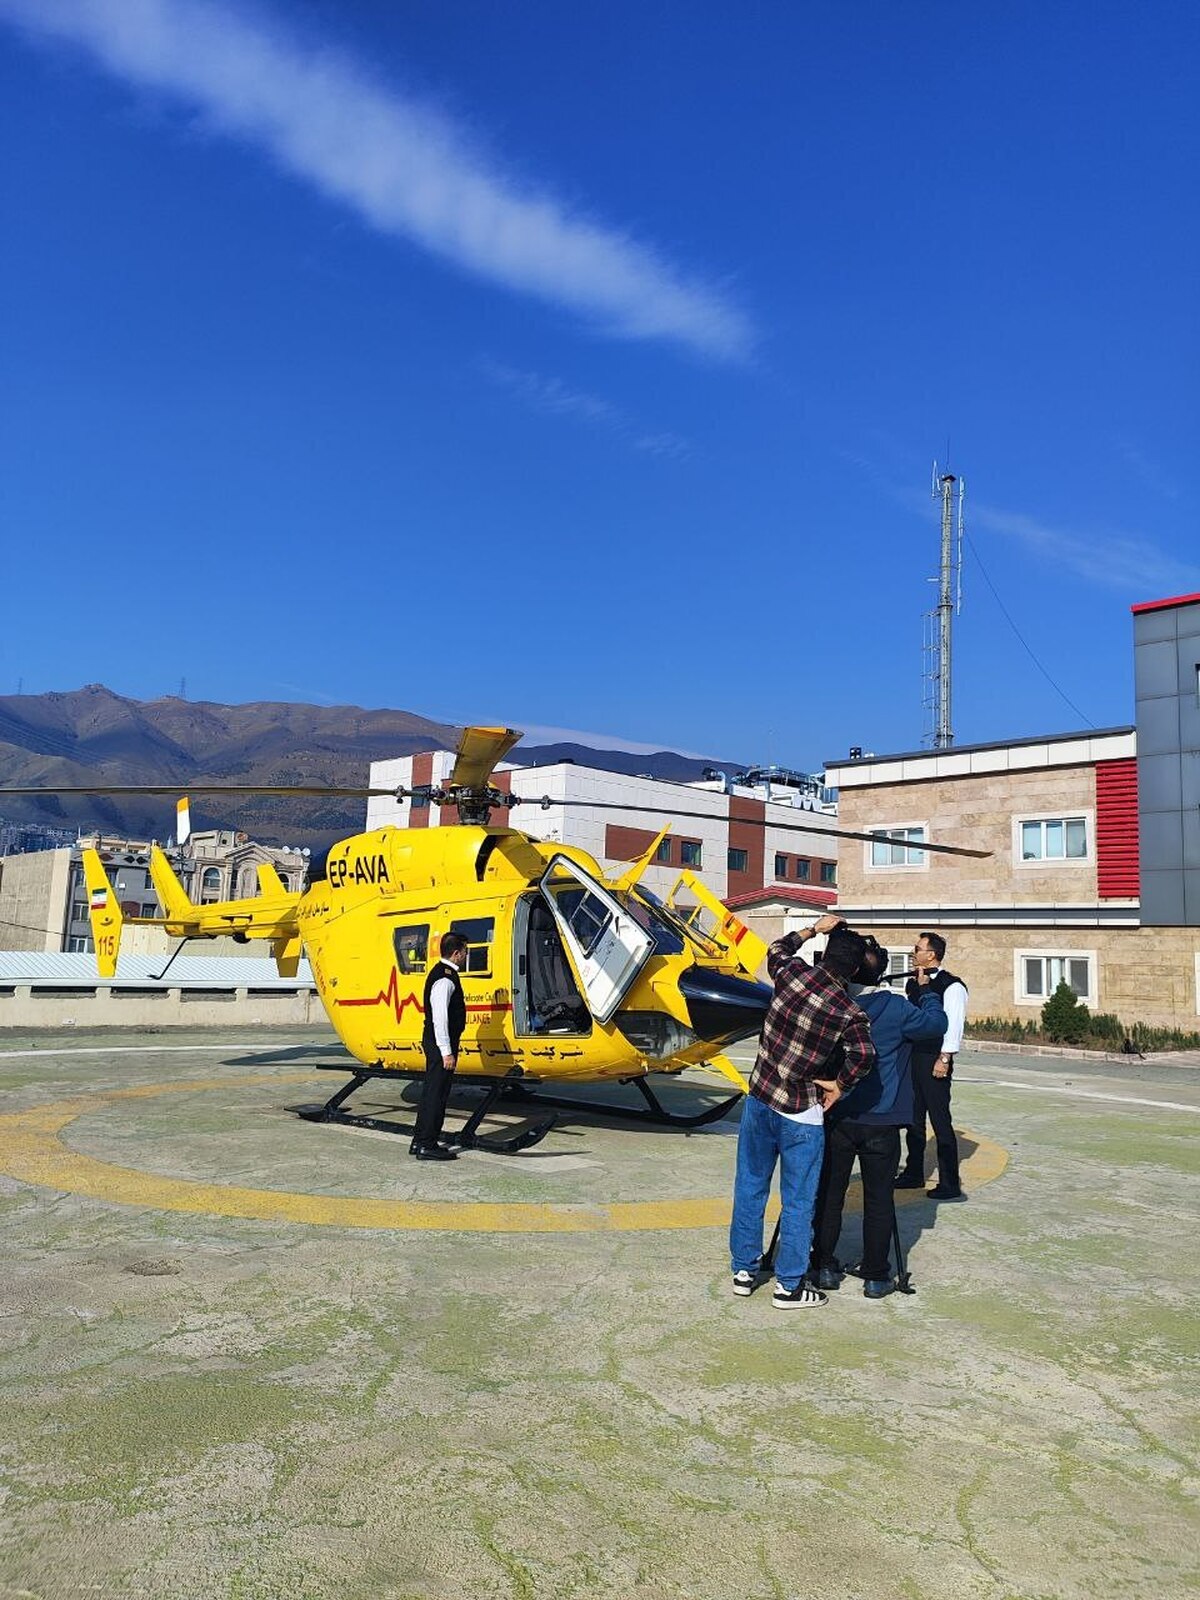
903 1281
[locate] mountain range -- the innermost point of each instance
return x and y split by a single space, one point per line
92 735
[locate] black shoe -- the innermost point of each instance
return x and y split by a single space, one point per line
829 1277
908 1180
940 1192
425 1151
876 1288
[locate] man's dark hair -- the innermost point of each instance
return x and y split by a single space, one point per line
844 952
451 944
936 943
874 964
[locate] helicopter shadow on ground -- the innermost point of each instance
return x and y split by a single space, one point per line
599 1105
285 1053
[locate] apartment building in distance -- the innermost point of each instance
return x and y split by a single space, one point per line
1093 871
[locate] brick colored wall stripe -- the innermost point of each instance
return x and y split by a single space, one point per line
1117 865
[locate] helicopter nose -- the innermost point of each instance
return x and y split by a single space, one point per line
723 1007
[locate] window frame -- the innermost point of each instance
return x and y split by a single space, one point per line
1055 863
687 860
781 855
827 875
402 967
1020 995
743 862
892 827
459 926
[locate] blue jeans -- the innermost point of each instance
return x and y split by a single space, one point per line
764 1138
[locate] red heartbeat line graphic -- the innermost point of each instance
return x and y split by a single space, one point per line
398 1002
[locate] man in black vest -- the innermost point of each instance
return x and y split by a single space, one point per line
445 1018
932 1071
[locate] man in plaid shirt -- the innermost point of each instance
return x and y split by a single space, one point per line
815 1045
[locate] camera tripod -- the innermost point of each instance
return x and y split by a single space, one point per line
904 1283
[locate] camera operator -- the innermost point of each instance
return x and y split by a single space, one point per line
810 1022
866 1123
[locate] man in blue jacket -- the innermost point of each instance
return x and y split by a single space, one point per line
866 1122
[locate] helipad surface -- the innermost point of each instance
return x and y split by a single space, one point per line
245 1355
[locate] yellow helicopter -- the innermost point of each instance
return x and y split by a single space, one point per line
571 976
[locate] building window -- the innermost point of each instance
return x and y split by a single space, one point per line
663 853
829 872
150 911
211 879
893 847
803 869
690 852
419 800
737 860
781 870
477 931
1039 973
79 912
899 961
78 946
1052 839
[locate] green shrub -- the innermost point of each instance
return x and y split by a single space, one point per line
1065 1019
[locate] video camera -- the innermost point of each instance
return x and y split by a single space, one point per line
857 957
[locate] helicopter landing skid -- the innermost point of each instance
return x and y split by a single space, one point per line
467 1138
655 1112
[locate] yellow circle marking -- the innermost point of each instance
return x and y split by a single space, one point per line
32 1150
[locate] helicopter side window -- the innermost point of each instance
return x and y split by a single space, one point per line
586 914
478 932
412 947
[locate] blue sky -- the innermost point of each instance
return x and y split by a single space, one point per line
584 365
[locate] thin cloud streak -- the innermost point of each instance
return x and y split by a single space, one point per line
552 397
403 167
1132 565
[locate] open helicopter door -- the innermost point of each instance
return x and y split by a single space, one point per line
699 907
607 947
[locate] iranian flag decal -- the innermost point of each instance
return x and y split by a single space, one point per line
99 899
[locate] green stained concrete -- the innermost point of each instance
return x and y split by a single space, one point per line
308 1412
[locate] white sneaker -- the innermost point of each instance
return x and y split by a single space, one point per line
802 1297
746 1282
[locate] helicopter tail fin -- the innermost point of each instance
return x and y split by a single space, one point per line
287 950
170 891
269 881
105 913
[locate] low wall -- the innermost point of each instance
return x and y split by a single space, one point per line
30 1006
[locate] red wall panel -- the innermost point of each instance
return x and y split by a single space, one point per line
1117 829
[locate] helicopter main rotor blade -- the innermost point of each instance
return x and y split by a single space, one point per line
188 787
755 822
479 750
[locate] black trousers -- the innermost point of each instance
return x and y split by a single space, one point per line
877 1150
435 1091
932 1096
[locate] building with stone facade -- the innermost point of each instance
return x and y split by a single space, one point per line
1093 871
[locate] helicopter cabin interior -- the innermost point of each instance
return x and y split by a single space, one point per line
545 995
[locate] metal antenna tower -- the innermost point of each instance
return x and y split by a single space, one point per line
938 622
